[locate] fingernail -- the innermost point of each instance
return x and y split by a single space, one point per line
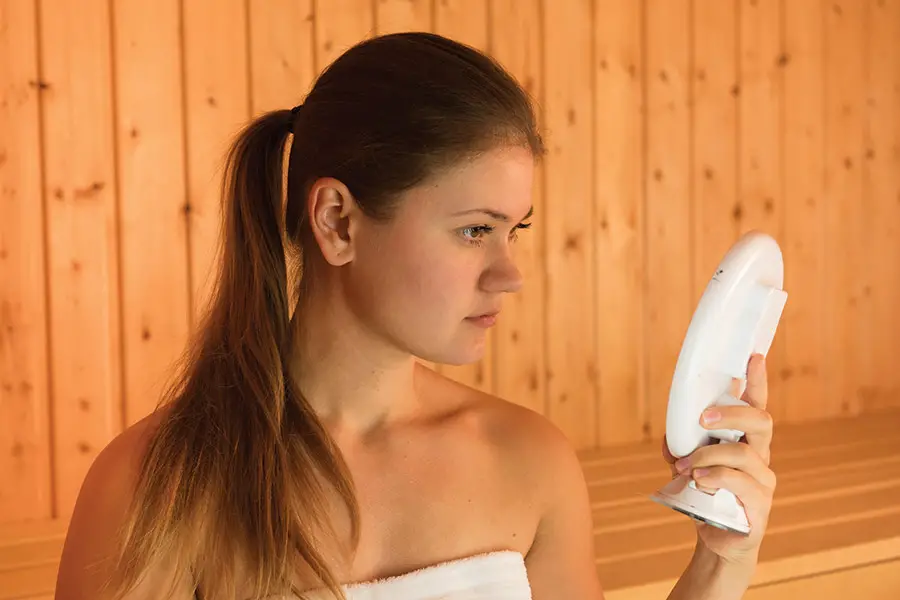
711 416
682 464
700 472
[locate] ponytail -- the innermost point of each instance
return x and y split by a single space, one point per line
231 490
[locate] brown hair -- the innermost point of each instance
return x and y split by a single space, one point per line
231 488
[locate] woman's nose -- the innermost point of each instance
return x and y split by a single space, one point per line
502 276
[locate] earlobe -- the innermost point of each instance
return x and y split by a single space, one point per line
331 210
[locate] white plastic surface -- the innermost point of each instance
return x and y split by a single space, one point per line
737 316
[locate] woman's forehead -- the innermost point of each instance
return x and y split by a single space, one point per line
498 182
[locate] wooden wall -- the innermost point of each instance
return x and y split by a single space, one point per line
673 127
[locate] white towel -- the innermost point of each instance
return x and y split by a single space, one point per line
498 575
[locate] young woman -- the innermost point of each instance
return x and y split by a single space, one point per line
303 450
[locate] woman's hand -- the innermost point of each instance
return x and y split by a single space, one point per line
741 468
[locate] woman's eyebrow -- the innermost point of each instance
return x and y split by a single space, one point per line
493 213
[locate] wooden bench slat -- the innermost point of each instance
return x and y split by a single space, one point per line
836 507
636 490
854 542
848 479
31 553
28 530
644 539
28 581
880 581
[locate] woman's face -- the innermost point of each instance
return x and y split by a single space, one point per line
445 258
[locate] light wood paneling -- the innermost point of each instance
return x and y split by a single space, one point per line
714 92
571 296
79 151
803 177
672 127
282 60
879 581
403 15
339 24
217 104
667 235
848 318
618 224
759 191
880 386
25 448
153 246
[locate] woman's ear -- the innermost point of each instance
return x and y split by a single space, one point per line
332 216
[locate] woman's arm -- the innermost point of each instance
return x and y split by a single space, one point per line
708 577
561 562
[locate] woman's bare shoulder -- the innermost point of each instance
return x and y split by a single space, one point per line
100 510
528 436
529 441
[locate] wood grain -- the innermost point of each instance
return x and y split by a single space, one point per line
803 321
668 215
572 366
25 443
618 224
79 149
846 277
149 130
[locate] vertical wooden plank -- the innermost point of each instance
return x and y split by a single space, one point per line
393 16
619 222
519 338
882 196
760 205
79 151
714 133
466 21
804 235
282 63
24 393
846 251
150 133
668 234
339 24
571 300
217 105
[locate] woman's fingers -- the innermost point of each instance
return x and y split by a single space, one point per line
739 457
755 495
753 420
755 423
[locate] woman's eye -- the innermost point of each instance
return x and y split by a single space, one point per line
514 234
473 234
